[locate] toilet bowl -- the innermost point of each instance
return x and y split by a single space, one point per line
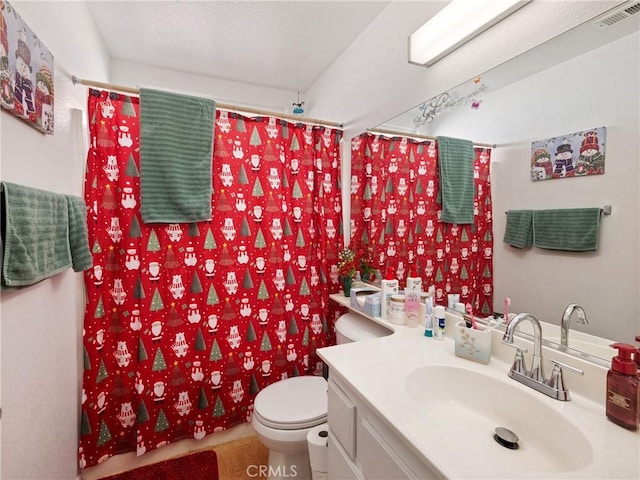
286 411
283 414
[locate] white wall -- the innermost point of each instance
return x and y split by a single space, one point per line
41 325
223 91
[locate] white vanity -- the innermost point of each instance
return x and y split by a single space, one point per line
404 406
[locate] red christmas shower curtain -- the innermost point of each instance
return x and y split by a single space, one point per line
186 323
394 209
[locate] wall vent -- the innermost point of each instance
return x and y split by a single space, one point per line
621 13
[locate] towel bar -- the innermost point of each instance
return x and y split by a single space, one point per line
606 210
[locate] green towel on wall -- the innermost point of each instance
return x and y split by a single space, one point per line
176 149
570 229
457 187
81 258
35 227
519 229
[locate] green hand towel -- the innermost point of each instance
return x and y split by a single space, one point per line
78 235
176 151
36 235
455 161
519 232
571 229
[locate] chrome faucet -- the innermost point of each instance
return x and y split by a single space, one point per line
534 377
566 317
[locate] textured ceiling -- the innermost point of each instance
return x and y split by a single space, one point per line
280 44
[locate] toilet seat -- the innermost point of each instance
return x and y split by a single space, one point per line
292 404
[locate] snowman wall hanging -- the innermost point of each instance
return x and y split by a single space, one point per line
576 154
26 72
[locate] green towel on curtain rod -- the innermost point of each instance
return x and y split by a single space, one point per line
569 229
457 187
176 150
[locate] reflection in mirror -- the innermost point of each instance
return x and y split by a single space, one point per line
583 79
399 209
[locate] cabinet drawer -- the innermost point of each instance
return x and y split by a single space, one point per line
342 418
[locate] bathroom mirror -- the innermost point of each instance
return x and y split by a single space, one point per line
586 78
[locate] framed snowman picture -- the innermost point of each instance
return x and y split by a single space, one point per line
26 72
576 154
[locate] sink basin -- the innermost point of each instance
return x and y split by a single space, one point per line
463 407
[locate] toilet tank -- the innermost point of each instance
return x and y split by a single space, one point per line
352 327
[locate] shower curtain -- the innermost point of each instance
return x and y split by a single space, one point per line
186 323
394 209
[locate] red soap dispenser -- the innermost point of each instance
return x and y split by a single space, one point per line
623 395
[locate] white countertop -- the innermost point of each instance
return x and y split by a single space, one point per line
376 370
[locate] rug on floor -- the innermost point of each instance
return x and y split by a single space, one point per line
200 465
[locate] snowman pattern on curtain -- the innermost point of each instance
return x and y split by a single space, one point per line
186 323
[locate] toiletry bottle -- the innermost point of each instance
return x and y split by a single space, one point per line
388 287
428 319
357 282
397 310
412 297
439 323
623 395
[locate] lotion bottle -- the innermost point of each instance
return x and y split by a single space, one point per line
623 396
388 286
412 298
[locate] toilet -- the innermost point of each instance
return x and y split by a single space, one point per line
285 411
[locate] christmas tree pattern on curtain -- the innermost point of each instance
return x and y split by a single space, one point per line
394 209
186 323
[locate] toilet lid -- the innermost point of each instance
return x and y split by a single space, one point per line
296 402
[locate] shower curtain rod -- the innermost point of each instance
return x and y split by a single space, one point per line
224 106
421 137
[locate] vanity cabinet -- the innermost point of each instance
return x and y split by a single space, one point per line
361 445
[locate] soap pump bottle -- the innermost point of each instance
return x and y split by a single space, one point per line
623 395
388 286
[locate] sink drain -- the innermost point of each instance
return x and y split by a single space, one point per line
506 438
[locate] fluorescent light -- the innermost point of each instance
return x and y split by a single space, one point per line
455 25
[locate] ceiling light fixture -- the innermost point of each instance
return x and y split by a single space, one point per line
455 25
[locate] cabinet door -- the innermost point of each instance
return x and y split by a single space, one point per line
342 418
377 458
340 467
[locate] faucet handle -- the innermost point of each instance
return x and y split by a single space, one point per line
560 366
513 345
556 381
519 365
